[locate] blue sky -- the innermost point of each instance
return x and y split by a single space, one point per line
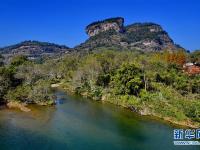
64 21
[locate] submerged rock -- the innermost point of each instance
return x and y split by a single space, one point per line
18 105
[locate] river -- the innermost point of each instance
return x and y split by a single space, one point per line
80 124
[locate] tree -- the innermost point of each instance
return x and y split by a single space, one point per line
18 60
1 60
195 56
5 82
128 80
178 57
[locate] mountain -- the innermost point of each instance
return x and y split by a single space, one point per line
108 33
34 49
112 33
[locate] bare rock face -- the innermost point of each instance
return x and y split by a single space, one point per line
95 28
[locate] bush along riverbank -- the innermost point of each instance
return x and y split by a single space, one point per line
148 83
152 106
23 82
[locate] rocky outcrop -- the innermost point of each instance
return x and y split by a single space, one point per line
112 33
95 28
17 105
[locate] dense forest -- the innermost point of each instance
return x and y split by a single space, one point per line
148 83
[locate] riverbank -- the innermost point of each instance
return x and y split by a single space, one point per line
24 106
141 111
146 112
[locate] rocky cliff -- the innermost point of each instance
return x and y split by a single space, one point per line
113 33
105 25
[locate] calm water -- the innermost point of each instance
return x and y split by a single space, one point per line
79 124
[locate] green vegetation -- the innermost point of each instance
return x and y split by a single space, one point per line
21 81
195 56
151 83
148 83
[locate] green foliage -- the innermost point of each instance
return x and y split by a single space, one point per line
18 60
20 94
138 82
5 82
103 80
195 56
41 92
128 80
24 81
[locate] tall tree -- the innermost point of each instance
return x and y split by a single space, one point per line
1 60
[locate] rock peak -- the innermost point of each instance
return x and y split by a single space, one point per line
97 27
111 32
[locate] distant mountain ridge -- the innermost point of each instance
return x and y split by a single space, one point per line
34 49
